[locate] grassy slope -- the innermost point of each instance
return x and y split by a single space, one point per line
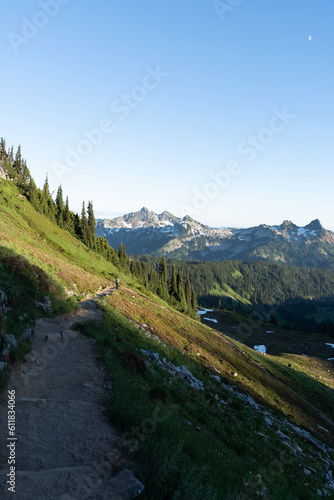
266 378
65 259
185 443
24 232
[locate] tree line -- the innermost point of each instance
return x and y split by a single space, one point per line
299 298
58 211
168 285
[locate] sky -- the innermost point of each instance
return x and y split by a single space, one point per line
221 110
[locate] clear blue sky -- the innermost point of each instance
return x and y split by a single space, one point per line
181 90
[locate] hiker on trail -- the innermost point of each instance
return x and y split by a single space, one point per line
117 283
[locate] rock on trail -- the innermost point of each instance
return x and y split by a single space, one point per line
65 448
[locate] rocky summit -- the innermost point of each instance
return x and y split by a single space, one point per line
145 232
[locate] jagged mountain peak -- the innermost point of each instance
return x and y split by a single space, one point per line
165 234
288 224
315 225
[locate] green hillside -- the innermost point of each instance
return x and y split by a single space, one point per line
217 434
65 259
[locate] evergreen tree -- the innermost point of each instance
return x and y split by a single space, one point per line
194 304
60 207
32 193
3 153
11 155
173 284
25 176
123 259
45 196
163 271
162 290
68 217
84 224
180 288
91 225
187 291
77 226
18 163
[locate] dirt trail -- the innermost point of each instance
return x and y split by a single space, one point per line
65 449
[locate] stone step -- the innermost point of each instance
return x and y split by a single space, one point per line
71 483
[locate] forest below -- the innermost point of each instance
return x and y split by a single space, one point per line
294 297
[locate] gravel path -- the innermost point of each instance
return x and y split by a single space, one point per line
65 449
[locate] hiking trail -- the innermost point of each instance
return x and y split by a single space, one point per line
65 448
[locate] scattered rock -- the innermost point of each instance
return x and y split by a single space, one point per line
184 371
10 339
329 482
26 334
125 485
283 436
44 304
3 303
297 449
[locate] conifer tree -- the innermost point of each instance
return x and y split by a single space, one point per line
60 207
11 155
187 291
180 288
32 193
77 226
25 175
194 304
3 153
162 290
173 284
67 216
163 271
84 224
18 163
123 259
45 195
91 225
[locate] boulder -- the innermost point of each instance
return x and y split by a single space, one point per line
329 481
283 436
183 370
124 486
10 339
2 365
26 334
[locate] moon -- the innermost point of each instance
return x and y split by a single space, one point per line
309 38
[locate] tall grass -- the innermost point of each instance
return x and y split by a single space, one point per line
185 444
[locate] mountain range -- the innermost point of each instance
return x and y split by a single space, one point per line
145 232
